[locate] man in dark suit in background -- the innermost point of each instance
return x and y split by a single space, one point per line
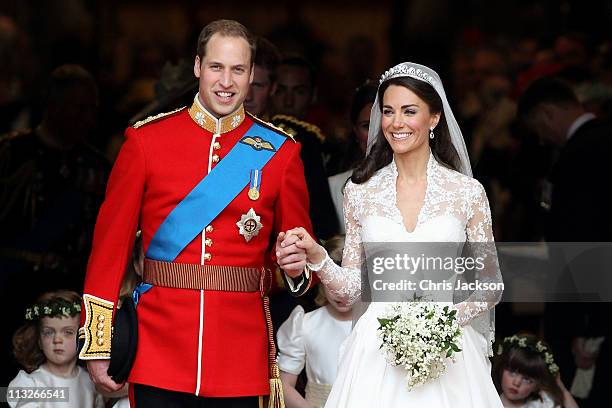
258 101
292 91
578 213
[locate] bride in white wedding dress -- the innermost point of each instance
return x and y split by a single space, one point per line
415 185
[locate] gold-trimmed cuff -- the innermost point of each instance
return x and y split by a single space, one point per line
97 328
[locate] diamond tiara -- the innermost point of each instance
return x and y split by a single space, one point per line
404 70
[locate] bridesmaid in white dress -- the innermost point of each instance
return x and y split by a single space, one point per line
415 185
312 340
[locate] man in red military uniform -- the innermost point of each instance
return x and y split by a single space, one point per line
209 186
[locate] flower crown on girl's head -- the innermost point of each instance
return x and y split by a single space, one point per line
539 347
54 308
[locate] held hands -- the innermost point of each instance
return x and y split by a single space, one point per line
98 371
296 247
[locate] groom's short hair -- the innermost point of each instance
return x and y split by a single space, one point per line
546 90
226 28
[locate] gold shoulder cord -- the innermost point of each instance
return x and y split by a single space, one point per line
154 118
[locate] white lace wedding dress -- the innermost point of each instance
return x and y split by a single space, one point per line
455 209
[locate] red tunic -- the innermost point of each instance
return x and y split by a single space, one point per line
210 343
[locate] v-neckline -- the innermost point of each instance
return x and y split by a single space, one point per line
399 214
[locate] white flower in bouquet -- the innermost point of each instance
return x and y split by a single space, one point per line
421 337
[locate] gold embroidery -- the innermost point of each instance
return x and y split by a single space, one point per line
97 328
258 143
206 121
155 117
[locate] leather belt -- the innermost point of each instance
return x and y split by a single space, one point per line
207 277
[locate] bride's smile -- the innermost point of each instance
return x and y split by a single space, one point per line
406 120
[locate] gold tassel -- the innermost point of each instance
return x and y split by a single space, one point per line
277 399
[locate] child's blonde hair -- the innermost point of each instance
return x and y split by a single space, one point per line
26 346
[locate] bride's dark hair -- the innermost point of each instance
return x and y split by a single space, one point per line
441 145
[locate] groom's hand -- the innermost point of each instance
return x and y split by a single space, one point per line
315 254
98 372
290 258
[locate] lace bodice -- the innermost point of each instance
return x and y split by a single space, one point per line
455 209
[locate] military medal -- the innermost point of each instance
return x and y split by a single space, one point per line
253 194
249 225
255 184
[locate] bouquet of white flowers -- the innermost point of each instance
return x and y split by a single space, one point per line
419 336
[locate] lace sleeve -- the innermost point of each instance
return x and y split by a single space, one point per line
345 281
481 244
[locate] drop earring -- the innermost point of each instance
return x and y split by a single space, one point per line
431 133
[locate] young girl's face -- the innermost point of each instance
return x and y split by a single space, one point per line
516 386
336 302
58 339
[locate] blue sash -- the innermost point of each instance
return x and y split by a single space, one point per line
211 195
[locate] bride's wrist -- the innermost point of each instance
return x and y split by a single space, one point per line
320 254
316 260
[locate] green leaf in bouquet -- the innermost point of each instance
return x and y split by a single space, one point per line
455 348
386 322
